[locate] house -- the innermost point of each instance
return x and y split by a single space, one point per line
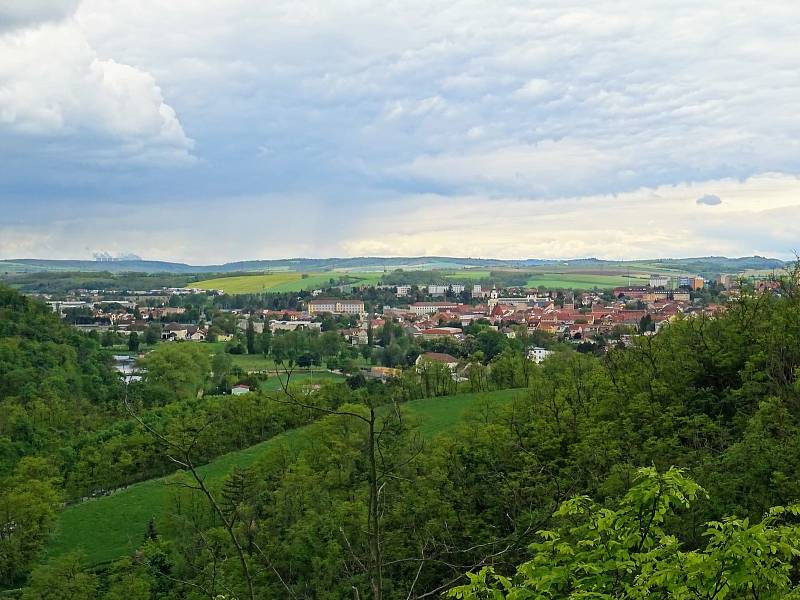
437 357
537 354
240 389
174 331
196 334
383 373
356 336
436 333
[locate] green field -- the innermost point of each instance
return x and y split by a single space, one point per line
111 527
266 282
281 282
276 382
569 280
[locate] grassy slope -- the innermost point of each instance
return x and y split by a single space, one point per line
113 526
243 284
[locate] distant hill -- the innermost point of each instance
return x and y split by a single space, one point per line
707 265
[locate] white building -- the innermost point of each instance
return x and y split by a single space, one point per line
457 288
437 290
657 281
429 308
537 354
275 325
403 290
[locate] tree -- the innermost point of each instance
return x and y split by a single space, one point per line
491 343
152 335
174 372
108 338
129 581
266 340
250 337
630 553
133 342
63 577
152 531
28 504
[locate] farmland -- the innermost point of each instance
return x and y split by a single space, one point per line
287 281
585 280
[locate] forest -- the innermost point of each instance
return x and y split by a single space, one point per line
667 469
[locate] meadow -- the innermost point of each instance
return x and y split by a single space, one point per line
113 526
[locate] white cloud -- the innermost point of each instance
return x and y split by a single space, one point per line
535 89
54 86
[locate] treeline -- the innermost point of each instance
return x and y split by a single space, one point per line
61 282
54 384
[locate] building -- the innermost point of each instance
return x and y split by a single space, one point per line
384 373
258 326
430 308
403 290
436 333
275 325
659 281
526 301
438 290
173 332
240 389
537 354
336 307
437 357
726 281
656 295
630 292
688 281
457 288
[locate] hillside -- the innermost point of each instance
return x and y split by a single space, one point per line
123 516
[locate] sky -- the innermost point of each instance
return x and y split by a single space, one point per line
225 130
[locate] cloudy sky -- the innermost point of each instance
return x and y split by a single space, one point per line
242 129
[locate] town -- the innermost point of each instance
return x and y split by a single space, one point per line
379 329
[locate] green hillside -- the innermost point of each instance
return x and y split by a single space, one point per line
112 526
